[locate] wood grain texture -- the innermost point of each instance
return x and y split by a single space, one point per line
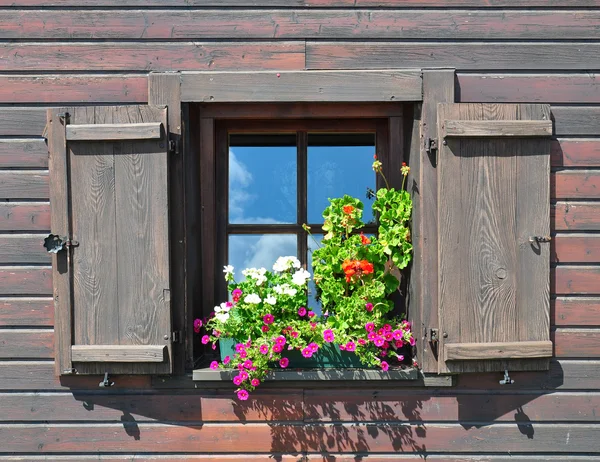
339 457
299 24
572 280
72 89
575 248
499 350
462 56
576 121
290 438
152 56
25 280
438 87
575 152
320 86
16 184
577 343
497 128
24 216
22 122
529 88
576 311
26 343
487 211
23 153
23 249
114 132
575 216
575 184
118 353
24 311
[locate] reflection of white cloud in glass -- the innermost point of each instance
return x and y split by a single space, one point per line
239 181
313 304
256 251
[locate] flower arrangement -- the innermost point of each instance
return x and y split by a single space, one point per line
354 276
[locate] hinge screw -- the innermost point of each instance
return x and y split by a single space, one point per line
166 336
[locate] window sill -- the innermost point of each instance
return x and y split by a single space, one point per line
210 375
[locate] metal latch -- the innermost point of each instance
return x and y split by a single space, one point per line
176 336
106 383
431 144
54 243
540 239
506 380
173 146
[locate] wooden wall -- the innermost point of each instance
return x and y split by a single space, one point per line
54 52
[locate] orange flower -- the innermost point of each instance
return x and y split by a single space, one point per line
365 240
348 209
356 268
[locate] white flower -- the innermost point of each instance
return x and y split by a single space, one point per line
300 277
257 274
252 298
223 308
285 289
284 263
228 269
270 300
223 317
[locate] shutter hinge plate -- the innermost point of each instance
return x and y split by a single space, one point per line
431 147
173 146
176 336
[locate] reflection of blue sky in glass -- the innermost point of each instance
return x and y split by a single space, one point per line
337 170
312 300
262 184
259 250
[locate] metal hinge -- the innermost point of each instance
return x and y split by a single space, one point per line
431 147
176 336
69 371
173 146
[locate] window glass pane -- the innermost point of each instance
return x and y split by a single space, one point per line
339 164
313 304
259 250
262 179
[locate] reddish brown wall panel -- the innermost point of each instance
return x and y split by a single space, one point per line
23 153
21 311
23 249
15 184
26 343
577 343
575 248
575 184
25 216
575 216
579 311
575 152
25 280
571 280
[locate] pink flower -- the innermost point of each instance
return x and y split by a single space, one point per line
294 334
255 382
350 346
301 311
328 335
384 366
243 375
313 325
388 336
387 327
380 331
383 353
280 340
343 347
242 395
243 354
248 343
214 365
386 345
369 327
277 348
248 364
313 347
412 341
362 341
268 318
400 358
379 341
236 294
398 334
228 304
197 325
307 352
372 336
227 360
311 314
284 362
240 347
369 307
205 339
398 343
237 380
264 349
214 346
265 329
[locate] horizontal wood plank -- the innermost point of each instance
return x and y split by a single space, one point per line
23 249
54 89
576 311
531 88
496 128
22 122
306 3
298 24
497 350
110 132
571 280
152 56
577 343
25 280
308 457
462 56
300 110
307 86
575 248
575 152
24 311
575 184
23 153
262 437
580 121
24 184
24 216
26 343
119 353
575 216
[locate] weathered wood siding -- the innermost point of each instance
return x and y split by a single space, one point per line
99 51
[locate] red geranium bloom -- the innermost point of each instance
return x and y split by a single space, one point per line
364 239
356 268
348 209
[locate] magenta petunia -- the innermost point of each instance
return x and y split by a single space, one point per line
350 346
372 336
197 325
328 335
248 364
284 362
214 365
301 311
388 336
265 328
236 295
294 334
412 341
379 341
311 314
255 382
277 348
242 395
237 380
343 347
387 327
369 327
362 341
384 365
400 357
264 349
313 347
205 339
243 354
243 375
369 307
398 343
280 340
268 318
240 347
226 360
307 352
398 334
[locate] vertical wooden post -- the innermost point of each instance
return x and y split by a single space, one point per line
438 87
165 89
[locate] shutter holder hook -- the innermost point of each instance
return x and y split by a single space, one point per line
506 380
106 383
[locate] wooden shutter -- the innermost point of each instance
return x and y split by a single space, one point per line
108 168
493 199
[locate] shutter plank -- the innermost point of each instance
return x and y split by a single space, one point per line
126 131
493 195
119 353
499 350
496 128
